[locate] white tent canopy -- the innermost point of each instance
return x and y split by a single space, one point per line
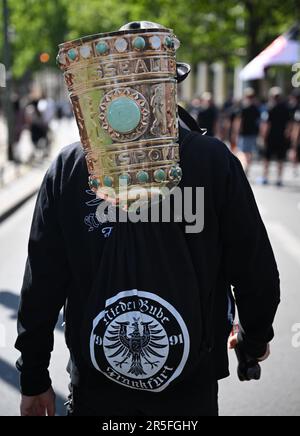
285 50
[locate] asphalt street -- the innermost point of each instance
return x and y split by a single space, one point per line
277 394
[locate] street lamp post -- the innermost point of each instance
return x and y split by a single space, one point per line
8 107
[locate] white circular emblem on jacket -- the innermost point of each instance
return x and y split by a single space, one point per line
139 341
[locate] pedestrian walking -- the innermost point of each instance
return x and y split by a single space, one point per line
38 127
148 306
295 130
274 132
246 128
194 107
208 114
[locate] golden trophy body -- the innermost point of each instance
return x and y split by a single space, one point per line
123 90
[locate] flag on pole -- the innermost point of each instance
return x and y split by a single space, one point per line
285 50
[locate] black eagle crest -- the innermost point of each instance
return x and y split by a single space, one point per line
135 345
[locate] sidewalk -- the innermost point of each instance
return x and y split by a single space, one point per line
19 182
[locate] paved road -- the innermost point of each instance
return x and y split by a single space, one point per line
278 394
279 391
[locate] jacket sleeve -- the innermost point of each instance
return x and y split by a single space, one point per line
249 262
43 292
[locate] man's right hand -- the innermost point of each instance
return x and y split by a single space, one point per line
39 405
233 341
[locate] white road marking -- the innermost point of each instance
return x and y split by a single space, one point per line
289 242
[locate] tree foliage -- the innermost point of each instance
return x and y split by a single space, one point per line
209 30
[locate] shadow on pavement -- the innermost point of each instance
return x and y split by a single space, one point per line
10 375
10 300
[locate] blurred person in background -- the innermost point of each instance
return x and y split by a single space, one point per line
246 128
38 126
63 109
274 133
295 129
19 117
47 108
194 107
208 114
226 119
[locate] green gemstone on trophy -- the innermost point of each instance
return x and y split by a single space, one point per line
94 183
159 176
124 179
102 47
72 54
142 177
123 115
169 42
108 181
176 173
139 43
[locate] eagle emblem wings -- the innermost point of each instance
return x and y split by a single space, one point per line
138 348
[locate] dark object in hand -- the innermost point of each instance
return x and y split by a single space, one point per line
248 367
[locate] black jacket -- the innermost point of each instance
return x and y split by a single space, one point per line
67 240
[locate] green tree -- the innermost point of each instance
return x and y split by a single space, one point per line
209 30
38 26
265 20
206 29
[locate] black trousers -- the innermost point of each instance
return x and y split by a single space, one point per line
119 401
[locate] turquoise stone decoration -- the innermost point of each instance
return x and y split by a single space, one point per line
72 54
102 48
94 183
108 181
159 176
139 43
123 115
124 179
169 42
176 173
142 177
